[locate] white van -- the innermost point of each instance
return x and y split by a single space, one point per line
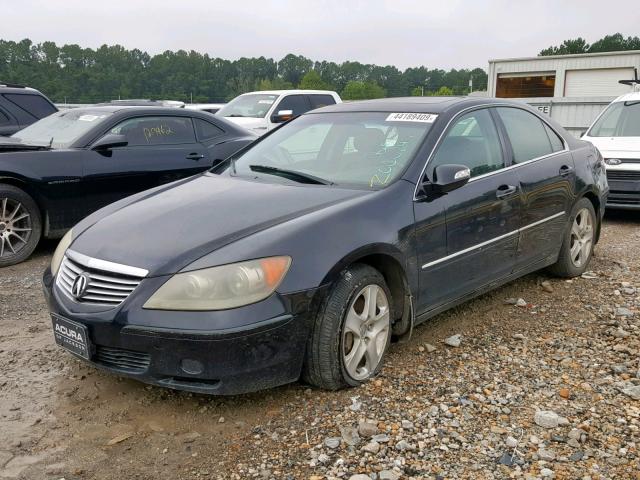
262 111
616 134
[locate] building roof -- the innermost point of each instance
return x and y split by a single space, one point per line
573 55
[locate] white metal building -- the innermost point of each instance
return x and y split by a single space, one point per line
573 89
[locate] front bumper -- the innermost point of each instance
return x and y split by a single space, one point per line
624 190
230 360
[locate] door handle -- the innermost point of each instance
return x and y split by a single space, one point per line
565 170
194 156
505 191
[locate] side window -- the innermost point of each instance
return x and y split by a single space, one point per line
141 131
206 130
297 103
526 132
557 144
35 105
472 141
318 101
4 119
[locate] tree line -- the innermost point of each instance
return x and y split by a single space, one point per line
609 43
72 74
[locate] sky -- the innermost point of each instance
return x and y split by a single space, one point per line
444 34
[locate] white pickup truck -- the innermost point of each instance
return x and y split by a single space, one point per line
262 111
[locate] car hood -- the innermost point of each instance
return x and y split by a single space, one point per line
10 144
255 125
611 147
165 231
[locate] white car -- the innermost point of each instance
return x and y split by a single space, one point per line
616 133
205 107
262 111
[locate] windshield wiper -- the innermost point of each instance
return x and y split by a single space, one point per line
299 177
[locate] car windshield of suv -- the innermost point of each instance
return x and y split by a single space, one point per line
620 119
363 149
61 129
255 105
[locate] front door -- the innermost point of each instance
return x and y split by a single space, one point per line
160 150
547 176
481 217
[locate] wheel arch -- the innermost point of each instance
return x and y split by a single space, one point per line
389 261
595 201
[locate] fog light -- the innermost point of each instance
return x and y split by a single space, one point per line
192 367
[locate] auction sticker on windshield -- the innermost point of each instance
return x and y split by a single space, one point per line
71 336
412 117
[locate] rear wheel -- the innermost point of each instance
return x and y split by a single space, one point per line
352 331
577 246
20 225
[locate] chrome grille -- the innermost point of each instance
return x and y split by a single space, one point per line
623 175
104 285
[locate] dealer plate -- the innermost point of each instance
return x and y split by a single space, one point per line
72 336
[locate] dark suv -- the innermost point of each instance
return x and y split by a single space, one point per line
20 106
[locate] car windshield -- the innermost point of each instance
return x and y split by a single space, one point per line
61 129
363 149
254 105
620 119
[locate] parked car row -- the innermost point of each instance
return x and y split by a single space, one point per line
304 252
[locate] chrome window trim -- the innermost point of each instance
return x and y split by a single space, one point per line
493 240
98 264
477 107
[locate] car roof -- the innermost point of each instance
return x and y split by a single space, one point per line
411 104
12 89
633 96
298 92
129 108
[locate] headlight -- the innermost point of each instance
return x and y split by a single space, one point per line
223 287
58 255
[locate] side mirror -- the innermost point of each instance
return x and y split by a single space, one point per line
282 116
446 179
110 140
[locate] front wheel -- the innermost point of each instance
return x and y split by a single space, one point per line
579 238
352 331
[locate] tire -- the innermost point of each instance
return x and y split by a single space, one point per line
20 225
331 359
567 266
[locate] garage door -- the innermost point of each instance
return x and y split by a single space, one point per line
596 83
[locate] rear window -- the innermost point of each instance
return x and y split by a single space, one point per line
318 101
620 119
206 130
35 105
527 134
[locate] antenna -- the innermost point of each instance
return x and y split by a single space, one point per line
634 82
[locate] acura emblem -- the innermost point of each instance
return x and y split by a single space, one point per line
80 285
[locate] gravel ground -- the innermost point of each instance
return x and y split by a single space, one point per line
544 383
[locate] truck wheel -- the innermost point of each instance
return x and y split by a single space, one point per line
20 225
352 331
577 245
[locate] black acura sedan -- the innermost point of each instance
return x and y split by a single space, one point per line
64 167
303 255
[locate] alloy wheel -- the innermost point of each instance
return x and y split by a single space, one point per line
581 238
365 332
15 227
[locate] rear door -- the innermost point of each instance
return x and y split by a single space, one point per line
161 149
547 176
482 217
